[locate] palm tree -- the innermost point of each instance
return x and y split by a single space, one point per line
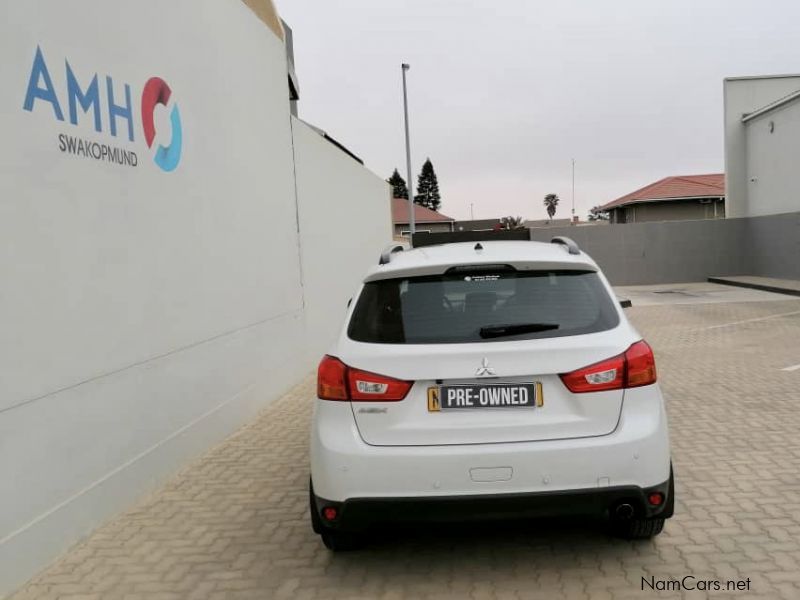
551 202
512 223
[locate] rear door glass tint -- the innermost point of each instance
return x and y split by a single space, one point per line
459 307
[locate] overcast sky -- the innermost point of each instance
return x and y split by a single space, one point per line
504 94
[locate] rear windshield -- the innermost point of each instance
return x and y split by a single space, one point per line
482 306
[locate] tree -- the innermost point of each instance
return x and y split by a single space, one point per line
596 213
550 203
512 223
399 187
428 187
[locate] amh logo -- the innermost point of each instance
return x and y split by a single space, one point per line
156 91
88 99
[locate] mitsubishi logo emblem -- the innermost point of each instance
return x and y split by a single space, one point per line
484 370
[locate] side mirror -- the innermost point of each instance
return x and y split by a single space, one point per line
349 302
625 303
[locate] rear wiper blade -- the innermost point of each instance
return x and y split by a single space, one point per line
493 331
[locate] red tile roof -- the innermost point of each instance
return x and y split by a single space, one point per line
675 188
421 214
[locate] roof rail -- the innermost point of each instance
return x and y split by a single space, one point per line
570 244
386 255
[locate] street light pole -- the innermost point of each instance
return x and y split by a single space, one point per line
573 191
411 224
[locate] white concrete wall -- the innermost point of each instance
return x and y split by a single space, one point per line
345 224
146 314
744 95
773 147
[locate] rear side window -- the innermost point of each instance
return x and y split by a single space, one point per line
482 306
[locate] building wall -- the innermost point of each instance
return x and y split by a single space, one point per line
684 251
148 313
547 223
341 236
475 225
663 252
744 95
431 227
773 245
773 146
673 210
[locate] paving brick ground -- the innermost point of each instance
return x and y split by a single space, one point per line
234 525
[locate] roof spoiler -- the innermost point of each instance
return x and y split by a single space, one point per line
422 239
570 244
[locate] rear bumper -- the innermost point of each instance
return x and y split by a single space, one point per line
635 455
359 514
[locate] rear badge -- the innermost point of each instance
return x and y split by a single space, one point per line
373 411
485 370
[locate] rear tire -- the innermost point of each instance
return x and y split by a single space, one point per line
669 509
316 522
638 529
341 541
642 529
337 541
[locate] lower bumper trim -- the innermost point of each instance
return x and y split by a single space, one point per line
358 514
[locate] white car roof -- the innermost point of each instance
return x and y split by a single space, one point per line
431 260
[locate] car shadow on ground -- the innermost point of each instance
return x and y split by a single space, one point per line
550 559
554 543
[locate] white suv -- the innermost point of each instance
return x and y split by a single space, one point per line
487 380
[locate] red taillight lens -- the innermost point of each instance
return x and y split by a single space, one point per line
337 381
634 368
641 365
608 374
332 379
371 387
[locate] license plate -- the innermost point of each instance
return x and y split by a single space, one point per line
489 395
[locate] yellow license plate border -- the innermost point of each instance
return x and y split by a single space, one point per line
435 405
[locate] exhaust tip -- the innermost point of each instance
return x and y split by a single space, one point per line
624 511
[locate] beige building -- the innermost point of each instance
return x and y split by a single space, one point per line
425 219
681 198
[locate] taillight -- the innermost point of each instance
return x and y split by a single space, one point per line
337 381
641 365
633 368
371 387
332 379
606 375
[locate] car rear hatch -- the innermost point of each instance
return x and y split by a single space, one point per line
491 335
555 413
